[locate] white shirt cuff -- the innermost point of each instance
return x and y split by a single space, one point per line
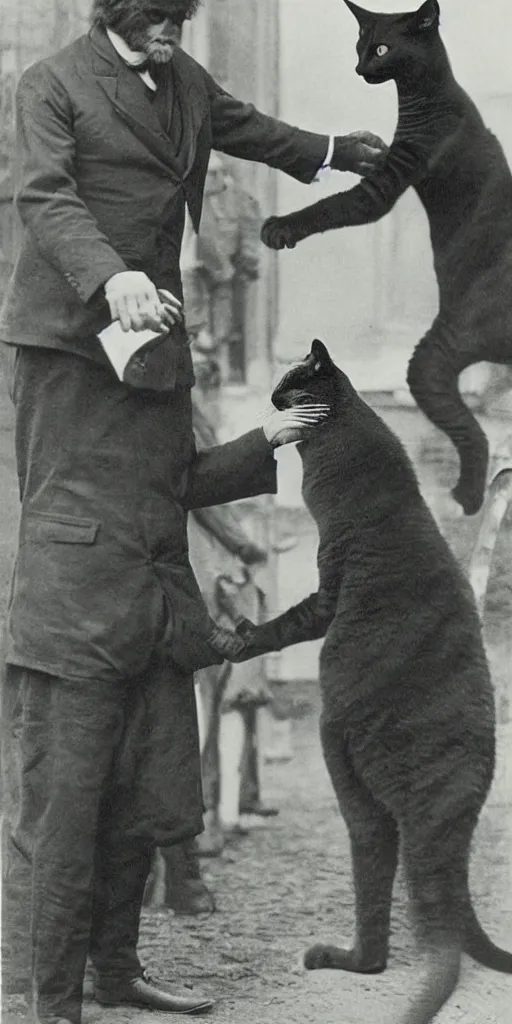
323 171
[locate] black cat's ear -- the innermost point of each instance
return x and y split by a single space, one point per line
427 17
320 355
362 16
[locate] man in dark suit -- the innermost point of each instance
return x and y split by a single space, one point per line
106 622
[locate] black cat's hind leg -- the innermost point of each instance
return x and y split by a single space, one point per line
374 846
432 377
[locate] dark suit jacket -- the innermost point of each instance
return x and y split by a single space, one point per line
107 473
99 188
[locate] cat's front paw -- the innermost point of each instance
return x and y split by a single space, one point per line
246 629
254 638
236 645
227 643
360 152
321 958
280 233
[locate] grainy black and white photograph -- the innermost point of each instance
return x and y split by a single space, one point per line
256 508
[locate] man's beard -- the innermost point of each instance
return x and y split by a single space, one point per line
160 52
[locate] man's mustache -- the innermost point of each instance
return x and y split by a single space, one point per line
165 40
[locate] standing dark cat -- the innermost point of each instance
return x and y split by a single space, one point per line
443 149
407 724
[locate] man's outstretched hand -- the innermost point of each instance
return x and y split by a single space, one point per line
360 152
137 304
294 424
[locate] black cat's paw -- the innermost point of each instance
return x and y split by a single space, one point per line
255 642
318 958
360 152
236 645
280 233
322 958
227 644
246 629
469 496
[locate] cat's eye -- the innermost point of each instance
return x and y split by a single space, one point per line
382 50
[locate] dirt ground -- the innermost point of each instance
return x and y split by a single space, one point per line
289 884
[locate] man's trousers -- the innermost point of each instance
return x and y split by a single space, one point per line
88 768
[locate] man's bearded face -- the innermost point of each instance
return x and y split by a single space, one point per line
156 35
152 27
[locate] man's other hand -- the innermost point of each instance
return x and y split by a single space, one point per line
360 152
134 301
288 425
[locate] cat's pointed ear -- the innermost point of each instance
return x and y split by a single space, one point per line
321 357
427 17
359 12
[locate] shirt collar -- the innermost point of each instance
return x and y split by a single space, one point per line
133 57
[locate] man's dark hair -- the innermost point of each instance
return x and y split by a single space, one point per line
109 13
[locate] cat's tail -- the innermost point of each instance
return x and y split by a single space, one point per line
432 376
479 946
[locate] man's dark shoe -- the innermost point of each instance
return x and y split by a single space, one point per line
147 993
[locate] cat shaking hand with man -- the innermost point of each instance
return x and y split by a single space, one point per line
106 621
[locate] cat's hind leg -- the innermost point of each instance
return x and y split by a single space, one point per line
374 846
433 374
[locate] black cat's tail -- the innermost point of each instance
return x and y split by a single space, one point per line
432 376
478 945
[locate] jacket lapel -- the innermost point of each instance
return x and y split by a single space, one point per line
192 103
128 96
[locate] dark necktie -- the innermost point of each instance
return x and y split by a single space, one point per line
143 66
163 100
157 71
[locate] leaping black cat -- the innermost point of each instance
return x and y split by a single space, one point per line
457 167
407 724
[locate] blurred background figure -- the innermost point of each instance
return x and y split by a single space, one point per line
228 544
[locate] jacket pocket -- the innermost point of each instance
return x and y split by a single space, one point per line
59 528
60 604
